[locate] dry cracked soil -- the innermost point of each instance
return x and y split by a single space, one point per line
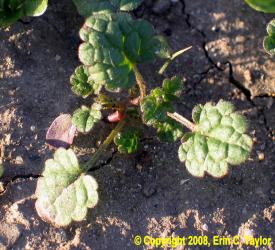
149 193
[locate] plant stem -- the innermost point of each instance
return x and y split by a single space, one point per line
140 82
177 117
173 57
90 164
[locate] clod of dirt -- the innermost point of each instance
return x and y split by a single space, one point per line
161 6
149 189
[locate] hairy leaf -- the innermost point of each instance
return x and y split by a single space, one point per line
85 118
88 7
81 85
267 6
269 41
218 140
112 44
127 141
64 193
155 106
11 11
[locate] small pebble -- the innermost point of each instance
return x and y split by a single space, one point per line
139 167
57 57
19 160
261 156
204 227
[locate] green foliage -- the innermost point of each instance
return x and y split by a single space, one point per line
269 41
127 141
155 106
64 193
113 43
1 170
12 10
267 6
85 118
88 7
81 85
218 140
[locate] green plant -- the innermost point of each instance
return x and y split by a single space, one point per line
267 6
269 41
114 44
12 10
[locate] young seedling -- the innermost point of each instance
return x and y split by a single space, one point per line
12 10
113 46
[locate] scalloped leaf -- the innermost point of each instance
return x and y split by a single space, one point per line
172 88
64 193
219 139
88 7
269 41
85 118
267 6
127 141
155 106
81 85
112 44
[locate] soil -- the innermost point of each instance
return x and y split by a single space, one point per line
151 192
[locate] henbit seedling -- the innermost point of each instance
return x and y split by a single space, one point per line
12 10
114 44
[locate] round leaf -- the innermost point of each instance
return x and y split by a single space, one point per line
64 194
219 139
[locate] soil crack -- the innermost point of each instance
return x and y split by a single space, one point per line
231 78
9 181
